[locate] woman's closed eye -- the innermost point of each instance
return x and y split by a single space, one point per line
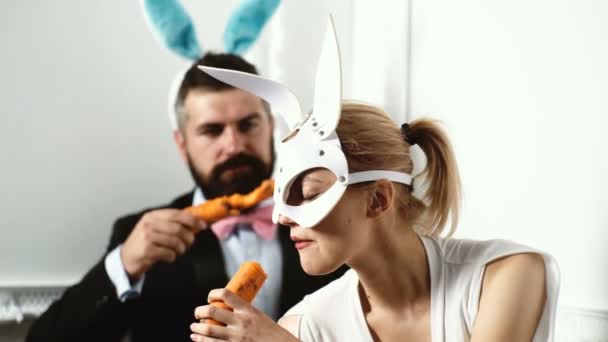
309 185
310 192
308 197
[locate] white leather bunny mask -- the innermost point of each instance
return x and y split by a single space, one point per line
313 142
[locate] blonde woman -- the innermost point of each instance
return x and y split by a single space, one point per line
345 190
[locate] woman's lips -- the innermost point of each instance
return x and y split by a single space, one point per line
301 243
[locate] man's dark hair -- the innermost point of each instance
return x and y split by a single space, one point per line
197 79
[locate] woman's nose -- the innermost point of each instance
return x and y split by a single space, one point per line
286 221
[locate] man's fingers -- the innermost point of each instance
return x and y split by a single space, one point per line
167 227
175 229
187 236
162 214
162 254
179 220
189 221
172 242
183 233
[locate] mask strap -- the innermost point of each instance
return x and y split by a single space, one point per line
366 176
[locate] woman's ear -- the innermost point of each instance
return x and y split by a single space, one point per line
381 198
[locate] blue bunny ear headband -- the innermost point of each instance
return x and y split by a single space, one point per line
173 28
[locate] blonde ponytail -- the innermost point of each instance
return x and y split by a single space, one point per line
371 140
440 177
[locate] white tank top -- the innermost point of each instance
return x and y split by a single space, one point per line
334 312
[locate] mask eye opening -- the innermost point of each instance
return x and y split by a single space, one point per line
306 187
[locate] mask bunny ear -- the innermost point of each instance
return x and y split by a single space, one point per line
328 85
282 100
246 23
173 27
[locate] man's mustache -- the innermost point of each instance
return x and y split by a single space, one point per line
236 161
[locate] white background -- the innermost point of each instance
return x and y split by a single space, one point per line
521 86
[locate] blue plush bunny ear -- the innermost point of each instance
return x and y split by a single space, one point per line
173 27
246 23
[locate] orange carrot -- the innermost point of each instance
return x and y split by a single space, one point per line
245 283
262 192
218 208
213 210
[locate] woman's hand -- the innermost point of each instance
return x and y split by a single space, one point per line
245 323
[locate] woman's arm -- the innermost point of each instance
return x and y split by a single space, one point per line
513 296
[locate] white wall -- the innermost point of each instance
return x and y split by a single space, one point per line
521 87
294 36
84 135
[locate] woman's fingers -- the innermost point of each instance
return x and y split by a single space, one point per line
211 332
215 313
245 323
229 298
201 338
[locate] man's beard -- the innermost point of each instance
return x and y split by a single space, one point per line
244 182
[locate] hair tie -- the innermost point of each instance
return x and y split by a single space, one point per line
406 132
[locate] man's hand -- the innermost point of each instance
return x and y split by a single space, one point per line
160 235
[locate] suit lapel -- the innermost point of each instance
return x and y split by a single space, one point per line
208 262
293 275
182 201
206 258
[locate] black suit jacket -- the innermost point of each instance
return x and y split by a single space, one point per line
91 310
